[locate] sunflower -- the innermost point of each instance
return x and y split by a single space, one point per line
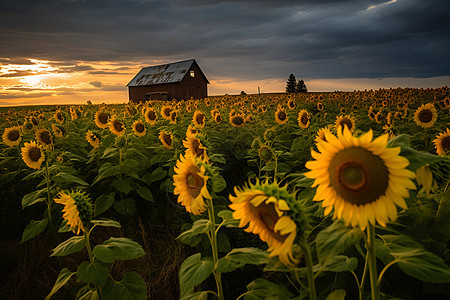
194 147
101 119
360 178
43 136
77 210
265 153
218 118
92 139
191 130
237 120
280 116
303 118
58 116
262 108
58 131
442 143
291 104
190 184
321 134
165 111
33 155
348 121
426 115
166 139
12 136
264 206
320 106
150 116
379 117
214 112
139 128
116 127
198 119
174 117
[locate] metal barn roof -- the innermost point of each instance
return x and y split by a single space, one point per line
168 73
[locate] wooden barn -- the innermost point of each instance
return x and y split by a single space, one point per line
178 80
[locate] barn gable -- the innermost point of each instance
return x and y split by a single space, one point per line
178 80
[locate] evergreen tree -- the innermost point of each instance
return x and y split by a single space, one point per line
291 84
301 87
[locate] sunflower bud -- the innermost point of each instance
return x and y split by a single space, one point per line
265 153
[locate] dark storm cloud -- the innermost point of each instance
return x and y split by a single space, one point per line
241 39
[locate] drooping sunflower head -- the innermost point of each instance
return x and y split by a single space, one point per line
78 210
165 111
44 137
139 128
303 118
265 153
360 178
345 121
150 116
12 136
58 131
264 207
194 146
58 116
190 183
199 119
280 116
101 119
237 120
92 139
426 115
166 139
33 155
116 127
442 143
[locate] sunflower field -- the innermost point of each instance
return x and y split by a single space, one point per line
342 195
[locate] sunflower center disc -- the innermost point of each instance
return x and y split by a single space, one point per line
425 116
103 118
269 218
45 138
446 143
357 175
199 119
238 120
118 126
151 115
13 135
59 116
218 118
194 184
34 154
167 139
139 127
167 111
282 115
347 122
304 118
196 147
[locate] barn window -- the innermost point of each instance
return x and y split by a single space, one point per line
192 73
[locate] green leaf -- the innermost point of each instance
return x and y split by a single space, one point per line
33 229
72 245
130 163
106 223
192 236
239 257
223 242
33 198
132 287
418 159
416 261
227 218
156 175
145 193
109 152
63 277
64 227
201 295
400 140
103 203
335 239
63 177
218 183
262 289
194 271
96 272
118 249
341 263
122 186
125 207
218 158
336 295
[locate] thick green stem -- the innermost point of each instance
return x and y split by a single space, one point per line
372 262
49 197
309 268
91 259
215 253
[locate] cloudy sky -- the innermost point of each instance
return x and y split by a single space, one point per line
69 51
